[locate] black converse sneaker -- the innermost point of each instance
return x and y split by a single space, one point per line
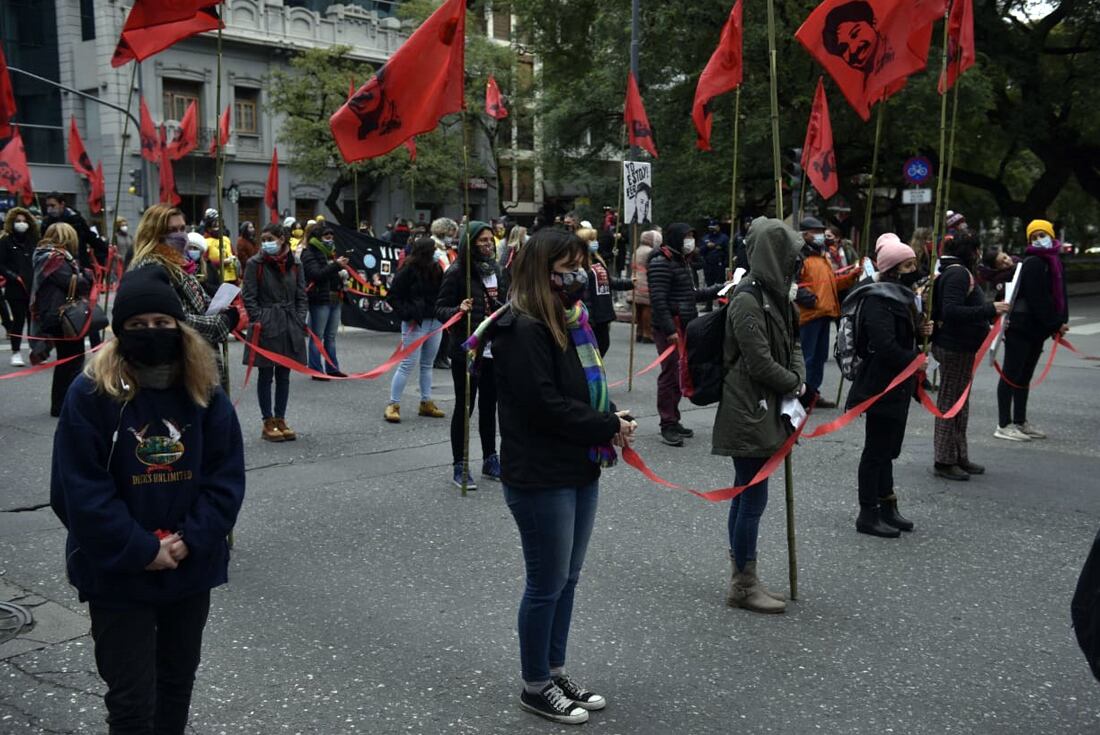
580 696
552 704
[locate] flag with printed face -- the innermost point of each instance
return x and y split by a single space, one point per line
722 73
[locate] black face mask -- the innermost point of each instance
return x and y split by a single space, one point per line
569 287
909 279
150 347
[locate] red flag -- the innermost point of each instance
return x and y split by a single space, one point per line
865 46
271 193
95 198
223 132
637 124
410 146
960 42
154 25
722 73
168 194
15 175
818 159
150 143
187 137
420 83
7 98
78 157
494 104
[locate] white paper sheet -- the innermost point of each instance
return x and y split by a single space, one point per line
223 297
792 409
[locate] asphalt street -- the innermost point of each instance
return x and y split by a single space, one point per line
367 596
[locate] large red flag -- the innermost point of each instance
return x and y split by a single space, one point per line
722 73
960 42
78 157
7 98
154 25
15 175
168 194
818 158
420 83
187 137
150 143
223 132
410 146
494 104
95 198
865 46
637 124
271 192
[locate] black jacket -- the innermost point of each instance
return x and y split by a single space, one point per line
452 292
672 283
324 284
959 309
888 343
598 298
90 243
546 421
16 266
1034 315
412 296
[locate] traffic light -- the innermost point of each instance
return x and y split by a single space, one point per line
135 182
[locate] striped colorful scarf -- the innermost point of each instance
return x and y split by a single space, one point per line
576 320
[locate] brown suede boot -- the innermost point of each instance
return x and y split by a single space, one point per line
288 433
392 413
429 409
750 567
271 431
747 592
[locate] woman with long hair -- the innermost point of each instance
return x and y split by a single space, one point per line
148 478
516 238
413 293
558 426
324 271
17 243
598 299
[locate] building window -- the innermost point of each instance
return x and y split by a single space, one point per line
525 74
246 115
87 20
178 96
524 138
305 210
507 190
525 184
502 21
248 210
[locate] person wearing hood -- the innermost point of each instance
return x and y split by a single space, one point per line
889 327
246 242
819 303
762 366
597 296
1040 310
673 296
324 273
17 244
488 289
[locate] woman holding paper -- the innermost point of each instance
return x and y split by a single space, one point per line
1039 310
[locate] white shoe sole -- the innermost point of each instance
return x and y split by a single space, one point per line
578 719
592 706
1010 438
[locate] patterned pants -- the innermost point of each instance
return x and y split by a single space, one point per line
950 438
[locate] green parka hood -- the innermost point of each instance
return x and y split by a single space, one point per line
775 254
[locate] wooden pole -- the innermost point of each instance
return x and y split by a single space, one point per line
355 193
633 315
937 211
469 314
951 146
118 184
733 184
865 246
219 164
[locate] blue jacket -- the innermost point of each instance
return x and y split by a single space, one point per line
174 466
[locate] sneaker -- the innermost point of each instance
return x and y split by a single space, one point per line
1025 427
17 360
671 437
552 704
458 477
683 430
490 468
1011 433
580 696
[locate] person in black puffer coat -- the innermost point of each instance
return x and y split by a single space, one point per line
597 296
489 289
324 274
673 295
962 317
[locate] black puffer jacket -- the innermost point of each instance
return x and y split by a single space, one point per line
413 295
672 283
324 282
888 343
959 309
452 292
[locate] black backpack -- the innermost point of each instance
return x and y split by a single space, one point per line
1085 609
705 339
846 351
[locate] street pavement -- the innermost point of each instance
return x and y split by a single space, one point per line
367 596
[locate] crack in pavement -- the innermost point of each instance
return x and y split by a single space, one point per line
26 508
38 677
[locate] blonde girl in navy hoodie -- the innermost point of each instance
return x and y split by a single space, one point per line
148 477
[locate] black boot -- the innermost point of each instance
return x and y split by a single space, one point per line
888 512
871 524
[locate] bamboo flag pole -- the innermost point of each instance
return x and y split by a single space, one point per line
788 465
951 146
468 257
118 184
865 246
219 158
937 212
733 185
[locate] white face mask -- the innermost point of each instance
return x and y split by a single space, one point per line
1044 242
21 227
193 254
689 246
593 247
123 229
792 292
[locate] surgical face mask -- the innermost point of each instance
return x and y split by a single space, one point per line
593 247
21 227
819 240
270 247
792 292
327 241
689 247
570 287
448 240
53 211
1044 242
176 240
123 229
193 254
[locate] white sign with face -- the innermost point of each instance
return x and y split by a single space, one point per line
637 192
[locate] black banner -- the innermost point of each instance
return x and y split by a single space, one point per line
376 263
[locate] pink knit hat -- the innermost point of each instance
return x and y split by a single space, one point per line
891 251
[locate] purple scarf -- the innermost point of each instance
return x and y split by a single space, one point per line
1055 265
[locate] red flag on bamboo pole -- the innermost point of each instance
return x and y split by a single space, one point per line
223 132
154 25
95 198
960 42
421 82
15 175
722 73
638 131
818 158
150 142
494 103
78 157
187 137
271 192
168 194
7 98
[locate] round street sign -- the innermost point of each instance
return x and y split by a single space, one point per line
917 170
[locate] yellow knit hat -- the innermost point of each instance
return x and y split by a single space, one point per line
1039 225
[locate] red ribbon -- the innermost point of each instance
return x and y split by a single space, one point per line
1065 343
1042 377
651 366
952 412
850 415
47 365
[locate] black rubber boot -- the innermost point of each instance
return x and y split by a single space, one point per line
888 512
871 524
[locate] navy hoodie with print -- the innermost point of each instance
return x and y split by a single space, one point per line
175 466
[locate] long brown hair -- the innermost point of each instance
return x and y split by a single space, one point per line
151 230
421 260
530 292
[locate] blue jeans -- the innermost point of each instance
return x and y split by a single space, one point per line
410 332
746 509
324 319
281 376
815 349
554 528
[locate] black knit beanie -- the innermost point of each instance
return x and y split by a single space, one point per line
145 290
